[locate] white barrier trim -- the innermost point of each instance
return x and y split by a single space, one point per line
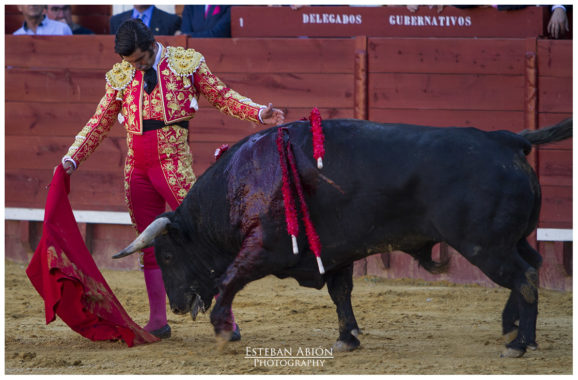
554 234
113 217
81 216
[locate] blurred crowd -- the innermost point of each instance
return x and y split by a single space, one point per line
208 20
195 21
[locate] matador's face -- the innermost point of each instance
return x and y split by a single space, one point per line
142 60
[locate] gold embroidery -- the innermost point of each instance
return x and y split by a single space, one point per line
224 98
152 105
96 294
176 160
120 76
97 127
173 106
52 256
128 168
183 62
132 105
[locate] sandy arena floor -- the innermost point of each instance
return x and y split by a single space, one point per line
409 327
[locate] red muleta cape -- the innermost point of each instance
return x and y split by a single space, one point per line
63 272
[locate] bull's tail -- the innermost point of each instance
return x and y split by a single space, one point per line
558 132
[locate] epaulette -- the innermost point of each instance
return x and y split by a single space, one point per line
183 62
120 76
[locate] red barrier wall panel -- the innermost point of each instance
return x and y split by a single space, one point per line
106 240
446 56
555 94
555 168
48 119
554 273
380 21
276 55
488 121
446 91
555 58
54 86
428 81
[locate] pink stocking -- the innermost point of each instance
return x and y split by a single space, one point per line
157 299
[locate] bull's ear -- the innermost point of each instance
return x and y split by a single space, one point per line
170 216
174 226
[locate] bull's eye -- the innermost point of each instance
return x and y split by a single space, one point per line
167 258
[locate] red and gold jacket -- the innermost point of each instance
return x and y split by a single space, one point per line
182 76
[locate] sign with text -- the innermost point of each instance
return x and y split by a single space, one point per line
386 21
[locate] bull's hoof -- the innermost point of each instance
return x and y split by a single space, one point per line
512 353
236 335
343 346
532 346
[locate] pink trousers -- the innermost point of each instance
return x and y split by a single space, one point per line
158 172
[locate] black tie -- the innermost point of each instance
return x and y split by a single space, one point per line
150 78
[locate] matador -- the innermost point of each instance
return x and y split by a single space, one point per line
154 93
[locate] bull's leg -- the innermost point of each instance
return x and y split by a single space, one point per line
340 285
510 317
508 269
529 254
247 267
525 297
511 312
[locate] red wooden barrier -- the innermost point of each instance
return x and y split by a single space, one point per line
441 82
385 21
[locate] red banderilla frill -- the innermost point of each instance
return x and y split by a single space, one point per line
288 161
290 212
220 150
318 137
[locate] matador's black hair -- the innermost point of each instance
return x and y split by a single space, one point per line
133 34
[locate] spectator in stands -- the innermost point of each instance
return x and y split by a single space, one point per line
558 24
154 93
160 22
36 22
207 21
413 8
63 13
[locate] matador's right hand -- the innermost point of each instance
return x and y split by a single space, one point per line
68 167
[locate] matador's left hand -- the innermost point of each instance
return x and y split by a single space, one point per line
272 116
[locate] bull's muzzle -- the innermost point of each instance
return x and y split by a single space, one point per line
146 238
193 307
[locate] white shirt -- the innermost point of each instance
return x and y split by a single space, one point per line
159 56
46 28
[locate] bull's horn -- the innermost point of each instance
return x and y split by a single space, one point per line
154 229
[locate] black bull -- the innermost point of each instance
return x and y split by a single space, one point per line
383 187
